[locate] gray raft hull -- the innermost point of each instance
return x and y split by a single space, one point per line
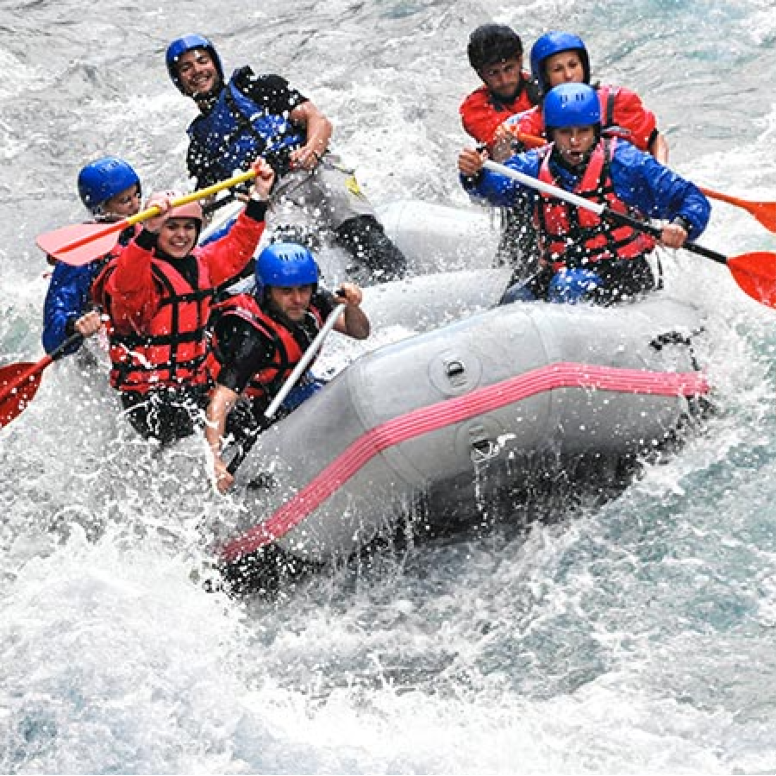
521 390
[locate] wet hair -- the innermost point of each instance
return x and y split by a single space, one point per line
492 43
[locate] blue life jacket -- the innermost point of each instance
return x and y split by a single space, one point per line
238 130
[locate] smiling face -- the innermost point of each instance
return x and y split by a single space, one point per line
178 236
197 72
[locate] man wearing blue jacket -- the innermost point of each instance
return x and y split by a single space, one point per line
584 256
110 189
249 115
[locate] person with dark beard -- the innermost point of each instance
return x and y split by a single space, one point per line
495 53
260 338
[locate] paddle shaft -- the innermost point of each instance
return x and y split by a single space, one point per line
47 360
596 207
304 362
764 212
150 212
27 378
286 388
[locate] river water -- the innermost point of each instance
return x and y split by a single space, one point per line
637 637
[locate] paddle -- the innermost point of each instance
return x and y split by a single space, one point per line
19 382
79 244
285 389
531 141
754 272
764 212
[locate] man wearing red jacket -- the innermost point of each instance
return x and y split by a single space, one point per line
496 54
158 293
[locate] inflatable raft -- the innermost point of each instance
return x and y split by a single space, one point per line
434 238
461 415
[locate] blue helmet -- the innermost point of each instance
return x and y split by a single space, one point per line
286 265
571 105
104 178
180 46
553 43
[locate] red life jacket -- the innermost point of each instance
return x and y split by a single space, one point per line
623 115
482 113
160 358
287 352
571 235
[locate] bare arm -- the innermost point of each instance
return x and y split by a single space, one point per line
319 130
659 148
221 402
354 321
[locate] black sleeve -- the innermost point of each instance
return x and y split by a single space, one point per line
243 352
256 209
270 91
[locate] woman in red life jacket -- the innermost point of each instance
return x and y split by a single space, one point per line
158 293
561 57
259 339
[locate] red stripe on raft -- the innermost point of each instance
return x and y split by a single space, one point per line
447 412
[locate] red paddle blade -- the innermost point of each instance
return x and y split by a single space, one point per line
78 244
756 274
18 385
765 213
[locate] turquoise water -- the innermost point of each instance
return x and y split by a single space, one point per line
636 637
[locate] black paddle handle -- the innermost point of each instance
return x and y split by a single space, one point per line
242 452
247 444
61 349
656 231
